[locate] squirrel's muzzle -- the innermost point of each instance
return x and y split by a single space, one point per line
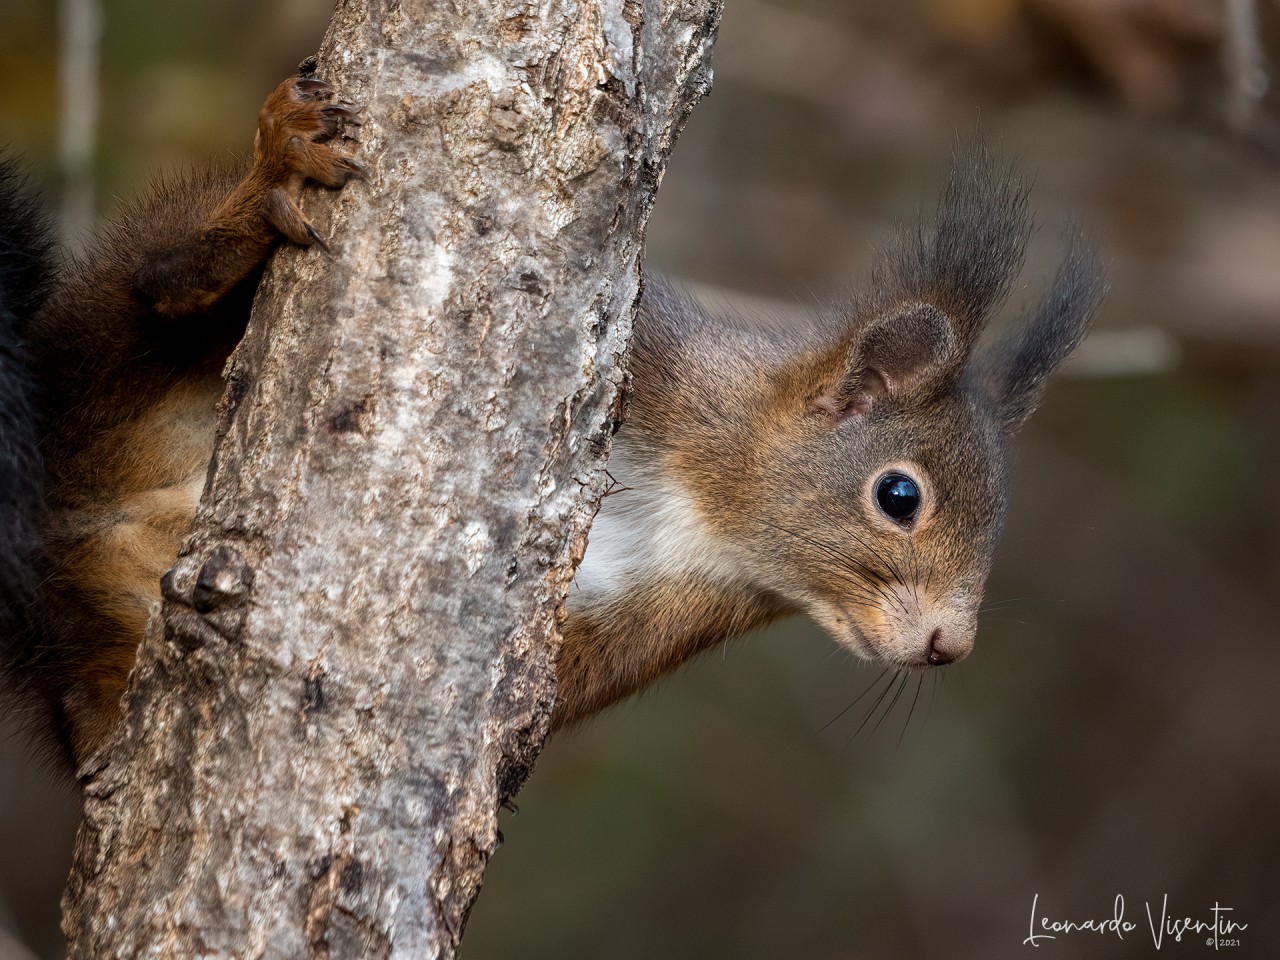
904 628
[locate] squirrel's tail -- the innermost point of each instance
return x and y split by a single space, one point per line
26 275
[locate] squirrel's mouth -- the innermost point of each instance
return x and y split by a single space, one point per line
913 646
847 631
855 638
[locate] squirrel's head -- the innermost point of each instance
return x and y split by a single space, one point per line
870 466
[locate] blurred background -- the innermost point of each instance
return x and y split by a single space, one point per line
1114 733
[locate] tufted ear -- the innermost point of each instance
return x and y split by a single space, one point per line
893 355
965 260
934 289
1018 366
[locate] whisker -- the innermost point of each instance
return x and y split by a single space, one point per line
1010 601
998 604
911 712
855 700
873 580
889 709
877 553
874 707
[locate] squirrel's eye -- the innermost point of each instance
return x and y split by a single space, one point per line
898 497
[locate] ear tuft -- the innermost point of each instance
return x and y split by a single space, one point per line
965 261
1018 367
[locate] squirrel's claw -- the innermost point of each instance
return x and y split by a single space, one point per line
311 87
358 169
316 239
344 111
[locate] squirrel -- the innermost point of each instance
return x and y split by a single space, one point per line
853 470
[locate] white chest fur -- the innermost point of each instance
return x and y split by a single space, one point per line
648 526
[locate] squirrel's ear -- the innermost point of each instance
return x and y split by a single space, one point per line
1018 366
892 355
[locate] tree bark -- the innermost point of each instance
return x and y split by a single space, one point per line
352 664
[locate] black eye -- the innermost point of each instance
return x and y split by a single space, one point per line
898 497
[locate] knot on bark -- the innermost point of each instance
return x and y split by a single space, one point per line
208 598
225 578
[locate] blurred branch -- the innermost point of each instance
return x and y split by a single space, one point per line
1245 64
79 42
1124 352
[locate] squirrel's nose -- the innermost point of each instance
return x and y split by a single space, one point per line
936 657
944 649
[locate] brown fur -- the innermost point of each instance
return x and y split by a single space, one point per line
130 346
611 652
773 442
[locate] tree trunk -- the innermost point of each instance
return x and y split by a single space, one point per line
352 666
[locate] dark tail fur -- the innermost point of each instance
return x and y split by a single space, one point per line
26 274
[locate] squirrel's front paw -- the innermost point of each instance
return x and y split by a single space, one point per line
294 127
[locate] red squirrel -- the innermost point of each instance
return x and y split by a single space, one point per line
853 470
